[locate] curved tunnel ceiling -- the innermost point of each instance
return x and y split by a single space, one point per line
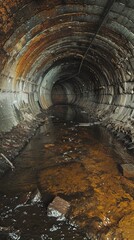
67 51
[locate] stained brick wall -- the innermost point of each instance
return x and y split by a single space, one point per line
43 42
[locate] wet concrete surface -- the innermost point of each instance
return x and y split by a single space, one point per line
13 141
78 163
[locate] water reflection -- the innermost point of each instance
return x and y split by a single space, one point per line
78 163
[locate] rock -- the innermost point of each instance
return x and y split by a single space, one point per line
128 170
58 208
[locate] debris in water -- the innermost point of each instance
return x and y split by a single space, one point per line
15 235
84 124
128 170
6 229
54 228
83 112
48 145
30 198
58 208
88 124
7 160
36 196
25 198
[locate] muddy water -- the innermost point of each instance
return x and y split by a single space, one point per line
78 163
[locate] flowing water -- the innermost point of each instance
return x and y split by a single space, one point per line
79 162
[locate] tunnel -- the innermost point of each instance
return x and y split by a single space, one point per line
68 53
73 52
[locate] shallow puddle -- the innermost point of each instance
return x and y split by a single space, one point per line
75 158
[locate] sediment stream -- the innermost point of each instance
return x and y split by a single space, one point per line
71 156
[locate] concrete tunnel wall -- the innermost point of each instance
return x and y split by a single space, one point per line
67 51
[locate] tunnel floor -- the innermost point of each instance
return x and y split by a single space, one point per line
79 163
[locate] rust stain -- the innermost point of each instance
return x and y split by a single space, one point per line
69 184
105 203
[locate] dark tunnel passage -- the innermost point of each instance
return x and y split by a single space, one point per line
81 51
67 69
